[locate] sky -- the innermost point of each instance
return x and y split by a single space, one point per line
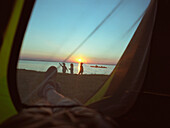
57 27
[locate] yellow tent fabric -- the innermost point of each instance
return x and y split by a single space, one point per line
7 108
135 58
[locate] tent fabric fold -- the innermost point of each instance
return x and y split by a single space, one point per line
130 71
119 92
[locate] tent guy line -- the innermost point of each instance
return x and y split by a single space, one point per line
91 34
80 45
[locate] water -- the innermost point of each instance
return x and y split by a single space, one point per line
43 66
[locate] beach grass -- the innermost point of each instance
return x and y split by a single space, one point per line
80 87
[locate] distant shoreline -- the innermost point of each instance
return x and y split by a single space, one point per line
61 61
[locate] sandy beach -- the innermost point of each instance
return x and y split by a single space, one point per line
79 87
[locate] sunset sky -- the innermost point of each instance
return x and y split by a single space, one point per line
57 27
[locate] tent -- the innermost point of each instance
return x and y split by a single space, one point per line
137 90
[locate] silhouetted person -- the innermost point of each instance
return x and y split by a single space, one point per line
71 68
81 69
64 68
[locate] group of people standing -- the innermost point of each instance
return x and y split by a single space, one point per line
64 68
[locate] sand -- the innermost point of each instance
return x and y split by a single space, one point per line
79 87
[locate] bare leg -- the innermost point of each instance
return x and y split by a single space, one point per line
55 98
49 91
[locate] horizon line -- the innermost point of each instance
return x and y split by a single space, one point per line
28 59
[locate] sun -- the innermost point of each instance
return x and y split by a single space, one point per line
79 60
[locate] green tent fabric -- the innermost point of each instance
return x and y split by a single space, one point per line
113 83
7 108
119 92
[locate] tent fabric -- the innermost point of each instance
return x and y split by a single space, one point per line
158 71
130 71
124 83
99 95
7 108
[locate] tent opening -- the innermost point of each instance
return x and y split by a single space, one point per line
84 40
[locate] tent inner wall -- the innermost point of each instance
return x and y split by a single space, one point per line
131 69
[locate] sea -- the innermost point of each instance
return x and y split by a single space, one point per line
42 66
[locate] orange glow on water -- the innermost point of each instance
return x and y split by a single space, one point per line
79 60
78 68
